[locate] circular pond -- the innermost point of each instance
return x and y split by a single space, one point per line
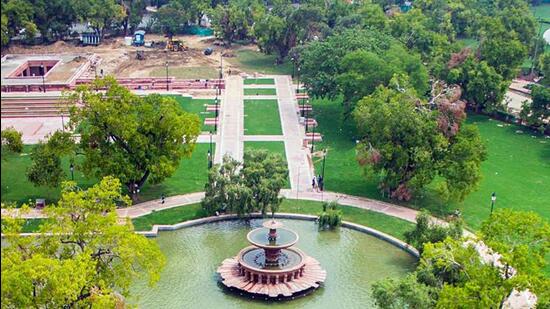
353 262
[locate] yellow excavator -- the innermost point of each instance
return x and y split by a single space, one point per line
175 45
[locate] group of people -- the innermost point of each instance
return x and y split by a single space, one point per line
317 183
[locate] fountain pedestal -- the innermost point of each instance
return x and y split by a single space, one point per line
270 267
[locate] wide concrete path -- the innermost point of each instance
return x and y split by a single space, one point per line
299 168
231 116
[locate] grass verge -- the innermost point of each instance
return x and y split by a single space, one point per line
262 117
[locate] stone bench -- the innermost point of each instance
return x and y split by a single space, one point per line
211 121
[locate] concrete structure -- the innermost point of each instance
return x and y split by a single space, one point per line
270 267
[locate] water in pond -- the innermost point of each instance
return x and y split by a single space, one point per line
353 261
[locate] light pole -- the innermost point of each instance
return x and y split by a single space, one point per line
210 148
493 200
43 72
166 65
293 66
306 114
209 155
216 119
72 171
221 64
298 87
312 139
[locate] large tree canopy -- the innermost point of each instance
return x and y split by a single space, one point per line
84 256
131 137
405 147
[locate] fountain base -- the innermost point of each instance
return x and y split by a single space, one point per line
282 283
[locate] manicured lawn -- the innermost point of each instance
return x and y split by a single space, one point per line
190 176
16 187
262 117
256 62
204 72
259 81
275 147
390 225
169 216
517 168
260 91
198 107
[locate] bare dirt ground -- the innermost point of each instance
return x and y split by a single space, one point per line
120 60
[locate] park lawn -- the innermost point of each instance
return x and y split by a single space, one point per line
517 168
260 91
259 81
262 117
190 176
16 188
204 72
169 216
275 147
387 224
252 61
197 106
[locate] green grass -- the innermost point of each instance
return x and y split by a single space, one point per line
169 216
260 91
256 62
387 224
262 117
542 11
190 176
204 72
275 147
517 168
197 106
16 188
259 81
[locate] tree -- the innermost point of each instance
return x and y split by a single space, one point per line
330 217
363 71
170 18
18 18
403 293
320 61
225 190
134 10
544 65
405 158
101 14
501 48
265 174
426 231
484 87
136 139
54 18
235 19
45 169
522 238
11 141
536 113
83 257
246 187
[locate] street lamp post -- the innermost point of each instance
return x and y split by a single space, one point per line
298 87
43 72
209 155
293 66
312 139
323 170
216 119
221 65
493 200
211 145
306 113
166 65
72 171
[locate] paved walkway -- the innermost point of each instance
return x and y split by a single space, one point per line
263 138
299 167
231 116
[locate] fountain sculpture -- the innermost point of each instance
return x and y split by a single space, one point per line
270 267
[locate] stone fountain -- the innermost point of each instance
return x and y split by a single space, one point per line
270 267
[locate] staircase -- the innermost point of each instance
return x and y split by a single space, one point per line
28 106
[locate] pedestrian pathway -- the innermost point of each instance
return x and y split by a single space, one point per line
231 126
299 166
263 138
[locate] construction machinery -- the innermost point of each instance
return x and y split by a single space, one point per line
175 45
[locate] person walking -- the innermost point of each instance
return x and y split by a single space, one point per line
321 183
314 184
162 198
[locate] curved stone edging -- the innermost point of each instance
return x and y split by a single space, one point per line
353 226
